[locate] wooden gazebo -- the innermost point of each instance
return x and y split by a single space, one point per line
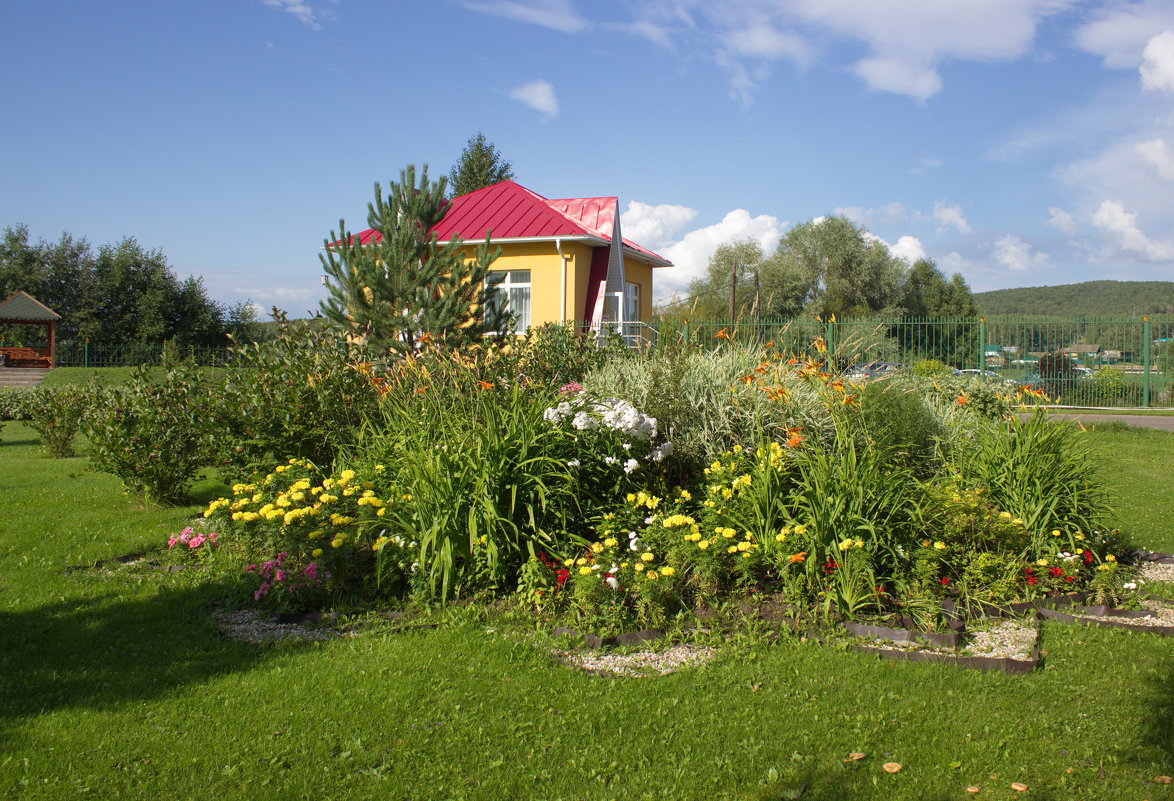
23 309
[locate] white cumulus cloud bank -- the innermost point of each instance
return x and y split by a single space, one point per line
1121 225
691 254
538 95
1157 65
657 226
1017 255
948 216
1157 153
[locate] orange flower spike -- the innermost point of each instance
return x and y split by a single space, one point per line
799 558
794 440
821 344
723 334
483 385
962 400
849 400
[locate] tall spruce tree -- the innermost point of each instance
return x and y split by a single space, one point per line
479 166
402 285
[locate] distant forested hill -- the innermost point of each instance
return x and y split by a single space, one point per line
1123 299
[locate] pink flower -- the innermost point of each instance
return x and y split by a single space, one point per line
572 388
250 568
196 541
185 535
280 575
213 536
281 557
260 593
171 542
311 571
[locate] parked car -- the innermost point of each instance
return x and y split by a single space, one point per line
988 375
861 372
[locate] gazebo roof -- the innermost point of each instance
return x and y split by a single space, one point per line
23 307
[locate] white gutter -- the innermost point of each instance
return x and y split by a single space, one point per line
558 245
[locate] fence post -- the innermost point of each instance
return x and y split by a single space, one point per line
981 345
87 357
1147 360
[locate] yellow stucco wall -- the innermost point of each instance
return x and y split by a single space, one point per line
542 260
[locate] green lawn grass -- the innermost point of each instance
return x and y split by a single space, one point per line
117 685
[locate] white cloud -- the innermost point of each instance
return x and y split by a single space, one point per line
888 215
1015 254
304 13
1112 217
901 76
925 164
955 262
558 15
949 216
908 248
692 253
1119 31
538 95
1157 153
655 226
1062 220
277 294
1157 66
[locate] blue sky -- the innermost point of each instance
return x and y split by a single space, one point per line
1019 142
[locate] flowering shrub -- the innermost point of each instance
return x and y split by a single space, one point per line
286 588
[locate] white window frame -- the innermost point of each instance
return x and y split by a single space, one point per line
514 281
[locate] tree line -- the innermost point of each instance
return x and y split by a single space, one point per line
117 294
823 267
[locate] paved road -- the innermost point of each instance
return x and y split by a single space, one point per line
1161 422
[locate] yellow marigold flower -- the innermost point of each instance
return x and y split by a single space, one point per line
346 475
611 542
859 543
569 563
337 542
684 495
727 493
237 515
584 571
379 543
1017 522
845 544
746 556
801 529
1104 567
623 564
316 553
1042 562
1110 558
379 512
743 546
631 497
647 556
315 490
1079 551
596 547
281 468
780 537
639 567
327 483
729 533
732 549
580 561
710 504
1055 532
939 546
667 571
703 544
652 575
1079 536
349 491
297 496
257 497
1005 515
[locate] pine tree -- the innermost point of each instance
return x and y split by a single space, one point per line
479 166
402 287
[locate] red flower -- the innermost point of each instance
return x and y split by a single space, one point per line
1027 571
1069 578
1055 572
1032 580
945 581
830 566
561 576
1088 557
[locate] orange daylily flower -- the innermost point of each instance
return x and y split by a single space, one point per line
421 390
799 558
746 379
849 400
792 361
723 334
837 384
760 368
770 344
821 344
794 437
962 400
484 385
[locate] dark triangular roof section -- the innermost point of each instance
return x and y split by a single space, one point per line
23 307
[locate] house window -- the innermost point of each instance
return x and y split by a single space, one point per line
631 302
513 294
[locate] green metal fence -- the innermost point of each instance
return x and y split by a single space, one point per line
1100 363
83 354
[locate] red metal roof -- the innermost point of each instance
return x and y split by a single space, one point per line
511 211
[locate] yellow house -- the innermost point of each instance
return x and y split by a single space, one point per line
564 261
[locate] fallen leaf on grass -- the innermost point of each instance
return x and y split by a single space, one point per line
892 767
1163 779
1018 787
972 789
855 756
